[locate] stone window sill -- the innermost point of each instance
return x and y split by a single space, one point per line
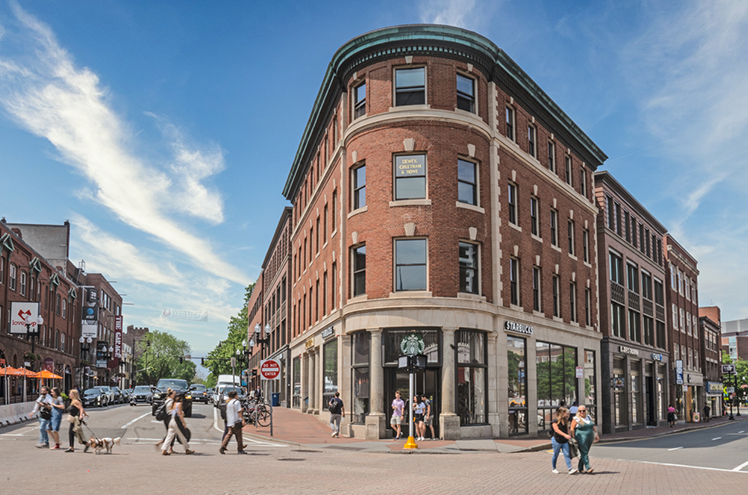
468 206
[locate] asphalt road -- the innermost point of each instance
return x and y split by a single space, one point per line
723 447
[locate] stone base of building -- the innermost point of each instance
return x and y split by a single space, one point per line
375 426
450 427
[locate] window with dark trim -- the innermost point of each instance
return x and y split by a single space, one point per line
358 177
552 156
534 216
554 227
512 201
583 182
467 182
510 123
536 289
532 141
567 160
472 377
572 301
556 380
410 176
586 245
514 281
587 307
359 104
571 238
360 344
410 264
516 350
358 270
410 86
469 268
556 297
465 93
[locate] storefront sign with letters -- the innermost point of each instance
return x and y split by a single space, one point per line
410 166
513 326
628 350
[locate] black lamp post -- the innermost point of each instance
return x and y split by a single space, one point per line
85 347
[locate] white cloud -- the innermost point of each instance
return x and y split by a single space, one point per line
468 14
52 98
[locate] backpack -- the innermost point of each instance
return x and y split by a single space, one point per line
161 413
335 406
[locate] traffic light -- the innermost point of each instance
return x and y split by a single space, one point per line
254 373
202 361
181 360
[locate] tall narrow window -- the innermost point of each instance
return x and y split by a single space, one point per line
510 123
635 331
536 289
334 226
609 208
359 105
646 285
556 297
588 307
531 141
616 268
410 177
467 182
514 281
646 238
324 293
12 275
633 277
410 86
571 238
468 268
334 291
552 156
24 277
568 170
359 187
633 231
534 216
572 301
410 264
358 270
642 240
512 200
617 322
586 245
626 226
554 227
324 220
465 93
583 181
311 246
618 218
316 239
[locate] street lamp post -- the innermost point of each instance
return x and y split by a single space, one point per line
263 342
85 346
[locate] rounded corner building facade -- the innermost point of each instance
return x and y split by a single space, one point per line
438 190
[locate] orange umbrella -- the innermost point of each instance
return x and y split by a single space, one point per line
47 374
12 371
25 372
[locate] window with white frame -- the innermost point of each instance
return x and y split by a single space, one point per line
410 86
532 146
358 181
24 277
359 103
358 270
410 264
467 182
465 93
410 177
632 272
12 275
675 317
469 271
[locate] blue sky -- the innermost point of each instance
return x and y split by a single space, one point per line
165 130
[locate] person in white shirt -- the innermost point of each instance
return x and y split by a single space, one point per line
43 406
234 422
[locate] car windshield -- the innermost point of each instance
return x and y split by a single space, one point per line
164 384
199 388
106 389
226 390
142 390
92 391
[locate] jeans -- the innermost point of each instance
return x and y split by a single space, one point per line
43 437
335 422
559 447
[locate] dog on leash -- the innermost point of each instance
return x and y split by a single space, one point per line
101 444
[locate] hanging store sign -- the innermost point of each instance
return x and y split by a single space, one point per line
328 332
679 372
412 344
628 350
694 379
309 343
89 331
513 326
656 357
23 316
410 166
728 369
714 388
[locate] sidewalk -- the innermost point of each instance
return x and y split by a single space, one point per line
291 426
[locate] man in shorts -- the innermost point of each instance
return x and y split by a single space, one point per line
428 418
398 406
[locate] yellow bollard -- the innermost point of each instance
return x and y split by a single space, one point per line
410 444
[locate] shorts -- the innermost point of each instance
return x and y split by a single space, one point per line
418 418
428 421
396 420
54 423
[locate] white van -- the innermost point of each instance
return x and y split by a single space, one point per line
223 381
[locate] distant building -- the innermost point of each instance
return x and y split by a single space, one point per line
735 338
709 323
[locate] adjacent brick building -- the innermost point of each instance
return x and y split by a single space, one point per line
710 322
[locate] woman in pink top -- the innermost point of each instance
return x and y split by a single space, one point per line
671 417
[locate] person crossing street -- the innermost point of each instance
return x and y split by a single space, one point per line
234 423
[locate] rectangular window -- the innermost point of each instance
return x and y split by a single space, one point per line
512 200
646 285
23 282
586 245
632 277
626 225
360 344
510 123
359 104
311 247
12 274
661 335
659 252
358 270
572 301
359 187
316 301
617 322
465 93
536 289
571 238
633 230
334 219
552 156
410 177
682 321
635 332
514 281
646 238
410 86
410 264
609 208
330 370
324 219
316 239
64 308
556 297
517 378
554 227
642 239
467 182
534 216
531 141
334 292
618 219
616 268
567 160
472 377
583 182
296 404
588 307
649 331
556 381
468 268
324 293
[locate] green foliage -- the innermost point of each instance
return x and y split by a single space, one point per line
160 359
741 368
219 359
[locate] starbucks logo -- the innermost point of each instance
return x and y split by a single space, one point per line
412 345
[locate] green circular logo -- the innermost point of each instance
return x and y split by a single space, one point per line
412 345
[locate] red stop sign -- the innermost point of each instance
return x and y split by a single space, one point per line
270 369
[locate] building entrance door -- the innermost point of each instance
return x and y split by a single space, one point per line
651 403
427 382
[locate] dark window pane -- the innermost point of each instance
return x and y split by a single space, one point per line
411 251
466 193
405 78
465 85
411 277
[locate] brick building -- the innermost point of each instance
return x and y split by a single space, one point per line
710 322
438 190
734 339
634 348
682 305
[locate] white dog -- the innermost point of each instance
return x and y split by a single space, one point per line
101 444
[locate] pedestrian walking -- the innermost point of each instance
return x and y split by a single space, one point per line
398 407
76 413
337 411
671 417
560 439
235 422
168 402
53 429
419 409
574 408
707 410
43 406
177 428
585 432
428 417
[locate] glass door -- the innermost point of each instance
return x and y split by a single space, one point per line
426 383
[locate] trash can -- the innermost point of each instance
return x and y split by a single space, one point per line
276 399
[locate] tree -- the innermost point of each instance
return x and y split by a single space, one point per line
160 355
219 359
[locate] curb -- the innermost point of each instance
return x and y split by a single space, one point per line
271 439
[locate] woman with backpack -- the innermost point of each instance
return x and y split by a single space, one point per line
177 428
162 414
560 439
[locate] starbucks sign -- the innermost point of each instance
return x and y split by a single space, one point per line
412 345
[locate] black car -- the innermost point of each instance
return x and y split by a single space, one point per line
94 397
141 393
199 393
180 387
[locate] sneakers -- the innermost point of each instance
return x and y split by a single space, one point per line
589 471
333 434
573 471
555 471
39 445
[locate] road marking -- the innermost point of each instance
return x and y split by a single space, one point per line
741 431
741 466
156 421
717 438
676 448
22 432
134 420
258 442
685 466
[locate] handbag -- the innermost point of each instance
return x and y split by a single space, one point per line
573 447
71 419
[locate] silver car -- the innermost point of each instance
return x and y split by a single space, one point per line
111 398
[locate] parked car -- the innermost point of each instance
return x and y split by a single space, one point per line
111 399
141 393
119 396
180 387
199 393
95 397
127 393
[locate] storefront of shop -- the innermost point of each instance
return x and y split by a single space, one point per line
714 392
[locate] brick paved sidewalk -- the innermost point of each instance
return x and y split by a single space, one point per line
291 426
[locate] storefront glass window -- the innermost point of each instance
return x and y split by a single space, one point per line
517 378
361 342
472 377
590 382
393 338
556 380
330 374
296 383
619 395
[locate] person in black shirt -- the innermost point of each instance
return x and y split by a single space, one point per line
560 439
337 411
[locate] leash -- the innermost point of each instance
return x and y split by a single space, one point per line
89 429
